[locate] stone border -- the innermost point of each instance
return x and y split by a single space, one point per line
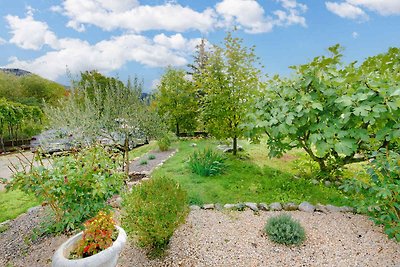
275 206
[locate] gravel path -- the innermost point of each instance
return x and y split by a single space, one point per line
231 238
160 157
213 238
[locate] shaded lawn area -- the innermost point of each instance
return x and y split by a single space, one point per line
249 178
13 203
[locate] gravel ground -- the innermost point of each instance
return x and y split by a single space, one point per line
231 238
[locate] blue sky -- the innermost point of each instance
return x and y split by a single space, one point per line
127 37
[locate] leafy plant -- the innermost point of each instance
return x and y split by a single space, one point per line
165 141
151 157
283 229
381 194
76 187
206 162
337 113
98 235
153 210
143 162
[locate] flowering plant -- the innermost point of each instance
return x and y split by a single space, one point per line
99 234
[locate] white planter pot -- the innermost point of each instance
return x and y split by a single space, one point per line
105 258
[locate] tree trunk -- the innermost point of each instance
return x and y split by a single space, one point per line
234 145
3 149
177 129
126 155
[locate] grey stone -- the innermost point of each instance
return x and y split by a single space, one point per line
218 206
240 206
229 206
276 206
332 208
327 183
263 206
252 206
193 144
338 183
314 181
208 206
228 149
306 207
321 208
290 206
194 207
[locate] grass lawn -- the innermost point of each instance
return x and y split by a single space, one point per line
252 177
13 203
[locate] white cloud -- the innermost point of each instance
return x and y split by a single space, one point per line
250 15
354 9
346 10
129 15
155 83
2 41
383 7
104 56
355 35
177 42
30 34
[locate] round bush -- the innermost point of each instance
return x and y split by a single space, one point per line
283 229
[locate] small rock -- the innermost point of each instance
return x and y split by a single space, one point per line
327 183
338 183
276 206
321 208
332 208
306 207
194 207
263 206
193 144
208 206
240 206
252 206
228 149
290 206
229 206
218 206
314 181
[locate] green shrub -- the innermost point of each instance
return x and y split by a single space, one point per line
143 162
151 157
283 229
153 210
380 196
164 143
76 187
206 162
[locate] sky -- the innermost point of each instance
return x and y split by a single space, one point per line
124 38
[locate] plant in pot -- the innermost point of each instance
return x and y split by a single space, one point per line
98 245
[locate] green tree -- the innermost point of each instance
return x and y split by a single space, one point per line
112 112
231 81
337 113
176 101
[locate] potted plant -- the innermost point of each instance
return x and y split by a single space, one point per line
99 244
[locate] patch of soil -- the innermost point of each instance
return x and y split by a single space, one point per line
134 177
136 167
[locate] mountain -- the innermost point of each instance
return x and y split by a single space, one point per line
17 72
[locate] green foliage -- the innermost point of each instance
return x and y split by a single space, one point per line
153 210
282 229
76 187
381 193
331 110
231 82
151 157
98 235
143 162
206 162
176 101
165 142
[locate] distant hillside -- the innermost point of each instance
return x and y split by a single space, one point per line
17 72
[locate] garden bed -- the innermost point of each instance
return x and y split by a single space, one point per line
231 238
